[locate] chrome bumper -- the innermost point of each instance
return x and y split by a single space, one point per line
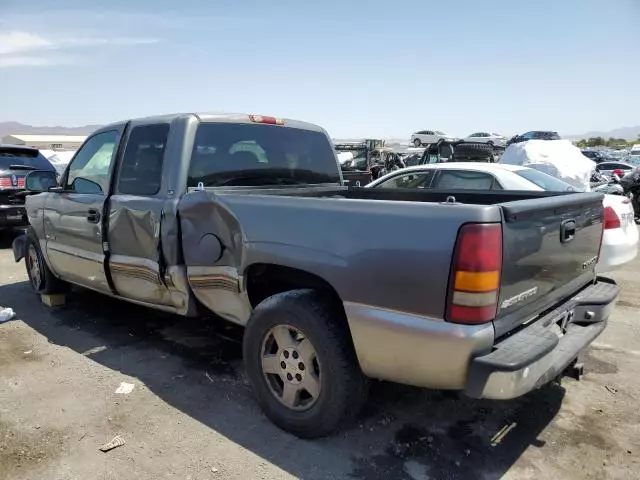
432 353
541 352
415 350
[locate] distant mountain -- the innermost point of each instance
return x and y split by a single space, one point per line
628 133
14 128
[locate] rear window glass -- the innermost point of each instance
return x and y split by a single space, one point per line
23 157
544 181
234 154
462 180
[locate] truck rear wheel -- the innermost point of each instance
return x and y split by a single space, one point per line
41 278
301 363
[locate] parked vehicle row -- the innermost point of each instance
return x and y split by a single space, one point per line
245 216
429 137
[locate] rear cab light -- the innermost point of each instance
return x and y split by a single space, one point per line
475 274
266 120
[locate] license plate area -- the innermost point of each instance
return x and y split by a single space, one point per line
626 220
559 323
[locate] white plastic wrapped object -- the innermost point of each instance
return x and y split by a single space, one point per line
559 158
6 314
344 157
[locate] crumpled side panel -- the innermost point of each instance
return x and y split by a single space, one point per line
144 258
212 243
134 226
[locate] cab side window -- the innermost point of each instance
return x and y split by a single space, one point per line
463 180
141 168
409 180
90 167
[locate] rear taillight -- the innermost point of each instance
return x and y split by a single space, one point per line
7 182
619 172
475 274
611 219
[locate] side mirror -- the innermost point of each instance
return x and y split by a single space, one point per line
39 181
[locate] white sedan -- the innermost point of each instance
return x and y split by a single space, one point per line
620 236
490 138
427 137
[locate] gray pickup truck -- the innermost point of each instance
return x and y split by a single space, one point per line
489 293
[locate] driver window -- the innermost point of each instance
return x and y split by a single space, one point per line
89 169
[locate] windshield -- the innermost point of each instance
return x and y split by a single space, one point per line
252 154
544 181
438 132
23 157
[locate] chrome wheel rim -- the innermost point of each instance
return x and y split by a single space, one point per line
34 269
291 367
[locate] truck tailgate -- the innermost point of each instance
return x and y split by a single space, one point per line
550 250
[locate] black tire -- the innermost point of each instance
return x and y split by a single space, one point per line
342 386
44 282
473 151
417 143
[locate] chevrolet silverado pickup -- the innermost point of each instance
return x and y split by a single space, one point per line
492 293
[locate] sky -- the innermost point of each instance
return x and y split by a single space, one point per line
359 68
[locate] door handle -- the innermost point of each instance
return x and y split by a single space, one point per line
567 231
93 216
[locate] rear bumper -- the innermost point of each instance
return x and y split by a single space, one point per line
13 216
432 353
541 352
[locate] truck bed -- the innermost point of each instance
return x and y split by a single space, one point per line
395 247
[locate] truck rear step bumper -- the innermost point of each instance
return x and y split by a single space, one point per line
540 352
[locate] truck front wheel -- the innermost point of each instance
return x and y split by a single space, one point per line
301 363
41 278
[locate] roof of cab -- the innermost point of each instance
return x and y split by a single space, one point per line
212 117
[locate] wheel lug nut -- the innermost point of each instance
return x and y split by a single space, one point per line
286 354
283 365
298 377
289 377
295 354
301 366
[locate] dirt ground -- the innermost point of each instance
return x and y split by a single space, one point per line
191 414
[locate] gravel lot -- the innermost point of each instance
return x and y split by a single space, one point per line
191 414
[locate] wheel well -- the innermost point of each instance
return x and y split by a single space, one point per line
264 280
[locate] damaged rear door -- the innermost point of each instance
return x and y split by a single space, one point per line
136 207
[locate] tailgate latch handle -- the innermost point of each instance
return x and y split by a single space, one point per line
567 230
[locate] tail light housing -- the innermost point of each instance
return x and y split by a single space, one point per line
475 274
7 182
619 172
611 219
267 120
